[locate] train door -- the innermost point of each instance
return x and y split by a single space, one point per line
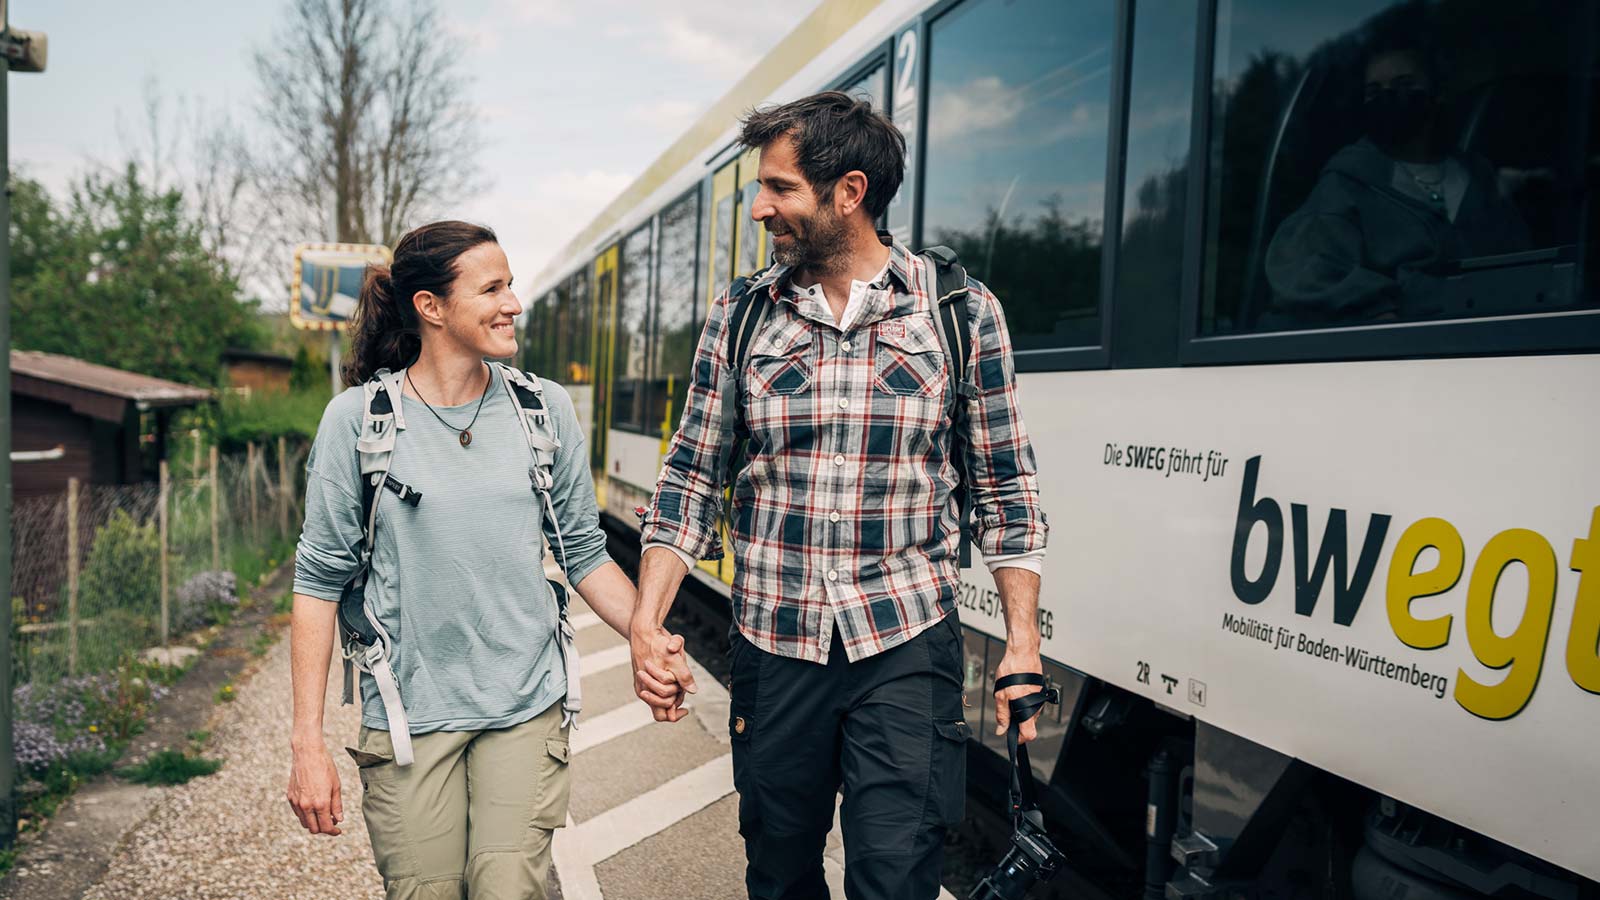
602 352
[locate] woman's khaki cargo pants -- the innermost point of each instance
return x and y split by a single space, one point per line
472 816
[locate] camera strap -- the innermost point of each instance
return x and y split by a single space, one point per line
1023 708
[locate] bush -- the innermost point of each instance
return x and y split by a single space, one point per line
265 417
124 567
77 726
205 598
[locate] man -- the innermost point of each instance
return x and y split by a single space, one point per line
847 661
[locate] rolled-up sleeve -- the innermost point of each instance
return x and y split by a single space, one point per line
1003 472
688 502
329 551
581 547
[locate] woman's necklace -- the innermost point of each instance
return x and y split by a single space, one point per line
1429 187
465 435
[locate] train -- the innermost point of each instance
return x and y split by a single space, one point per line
1304 304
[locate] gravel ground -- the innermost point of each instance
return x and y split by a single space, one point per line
231 836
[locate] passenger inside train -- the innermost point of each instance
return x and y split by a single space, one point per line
1392 211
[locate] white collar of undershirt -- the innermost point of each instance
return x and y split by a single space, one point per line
858 296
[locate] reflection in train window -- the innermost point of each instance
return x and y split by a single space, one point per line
722 248
870 87
533 336
632 338
1016 158
673 335
1155 181
751 236
1375 162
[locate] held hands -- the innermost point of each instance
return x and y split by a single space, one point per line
1013 662
661 675
314 791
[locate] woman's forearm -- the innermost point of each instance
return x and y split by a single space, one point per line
311 632
610 594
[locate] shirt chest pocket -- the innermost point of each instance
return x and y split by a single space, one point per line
907 361
782 363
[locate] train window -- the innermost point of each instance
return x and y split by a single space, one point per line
1014 175
559 322
1375 162
580 369
1149 274
724 209
673 336
535 332
629 382
869 87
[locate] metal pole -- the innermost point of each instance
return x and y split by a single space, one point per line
8 774
333 361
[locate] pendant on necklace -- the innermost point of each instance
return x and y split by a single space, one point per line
466 436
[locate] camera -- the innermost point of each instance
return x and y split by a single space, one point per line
1032 859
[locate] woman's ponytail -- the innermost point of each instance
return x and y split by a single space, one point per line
385 332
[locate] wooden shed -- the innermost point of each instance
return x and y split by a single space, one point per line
93 413
250 371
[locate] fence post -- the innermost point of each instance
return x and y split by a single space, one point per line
216 543
250 477
194 470
162 519
283 487
72 577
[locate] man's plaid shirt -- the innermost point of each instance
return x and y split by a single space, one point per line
844 512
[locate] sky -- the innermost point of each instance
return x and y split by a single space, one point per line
576 97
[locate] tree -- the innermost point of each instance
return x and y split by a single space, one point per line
120 275
368 118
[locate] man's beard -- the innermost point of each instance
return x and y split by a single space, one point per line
823 249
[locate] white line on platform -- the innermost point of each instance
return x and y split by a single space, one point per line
620 827
584 620
604 727
578 881
609 658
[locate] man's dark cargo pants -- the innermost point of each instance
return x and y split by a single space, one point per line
889 728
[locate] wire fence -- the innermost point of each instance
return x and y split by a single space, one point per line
102 572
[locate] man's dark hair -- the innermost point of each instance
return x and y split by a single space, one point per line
835 133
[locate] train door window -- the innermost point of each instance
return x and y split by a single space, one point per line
750 236
533 330
724 213
1377 162
1014 176
1155 179
632 363
674 332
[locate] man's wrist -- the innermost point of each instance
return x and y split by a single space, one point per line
1023 644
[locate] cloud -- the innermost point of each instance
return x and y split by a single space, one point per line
536 12
478 36
983 104
686 42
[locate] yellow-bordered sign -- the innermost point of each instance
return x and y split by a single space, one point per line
327 282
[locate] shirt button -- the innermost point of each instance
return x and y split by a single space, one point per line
844 402
839 460
833 516
833 574
845 346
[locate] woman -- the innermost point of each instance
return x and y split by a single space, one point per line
456 584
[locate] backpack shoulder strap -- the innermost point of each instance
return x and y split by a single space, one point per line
527 394
747 309
951 312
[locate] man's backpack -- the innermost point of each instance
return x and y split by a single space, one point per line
747 309
367 645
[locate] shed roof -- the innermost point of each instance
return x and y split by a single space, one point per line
67 379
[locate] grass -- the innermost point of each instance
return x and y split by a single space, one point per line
284 604
199 737
169 767
263 643
226 694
